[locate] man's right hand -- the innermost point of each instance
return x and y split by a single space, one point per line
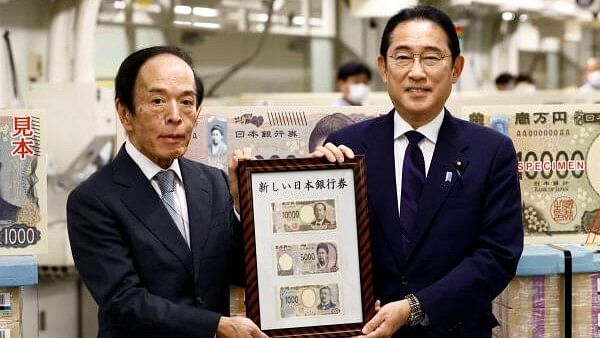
238 327
333 153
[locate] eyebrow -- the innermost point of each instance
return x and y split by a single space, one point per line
163 90
425 49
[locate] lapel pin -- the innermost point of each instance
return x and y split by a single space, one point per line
458 165
448 177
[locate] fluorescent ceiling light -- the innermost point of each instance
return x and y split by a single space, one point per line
508 16
181 9
208 25
182 23
206 12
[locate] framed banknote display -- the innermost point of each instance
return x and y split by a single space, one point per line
307 246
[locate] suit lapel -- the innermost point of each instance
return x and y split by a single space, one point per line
448 150
199 205
143 201
379 151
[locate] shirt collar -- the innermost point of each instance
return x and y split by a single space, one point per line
429 130
149 168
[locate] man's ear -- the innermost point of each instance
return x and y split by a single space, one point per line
457 68
125 115
382 68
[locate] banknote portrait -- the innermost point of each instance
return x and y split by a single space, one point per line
217 145
307 261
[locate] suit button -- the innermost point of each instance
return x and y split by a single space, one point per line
404 280
199 301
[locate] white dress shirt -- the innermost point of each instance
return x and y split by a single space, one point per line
427 145
150 169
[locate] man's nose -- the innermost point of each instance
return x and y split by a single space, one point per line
416 70
173 112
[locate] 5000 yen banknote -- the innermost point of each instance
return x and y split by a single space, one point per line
558 153
306 259
310 215
310 300
23 221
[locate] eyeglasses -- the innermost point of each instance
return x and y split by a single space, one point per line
427 59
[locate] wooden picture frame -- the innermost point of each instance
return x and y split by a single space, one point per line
307 246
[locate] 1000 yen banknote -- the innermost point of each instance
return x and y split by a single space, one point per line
306 259
23 208
310 300
294 216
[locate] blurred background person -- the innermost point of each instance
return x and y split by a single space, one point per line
591 75
505 81
353 82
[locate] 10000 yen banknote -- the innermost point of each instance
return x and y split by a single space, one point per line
23 219
558 153
306 259
310 300
270 132
294 216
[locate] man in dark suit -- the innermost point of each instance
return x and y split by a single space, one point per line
154 235
8 211
444 197
326 302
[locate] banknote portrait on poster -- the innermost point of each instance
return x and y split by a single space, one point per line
307 246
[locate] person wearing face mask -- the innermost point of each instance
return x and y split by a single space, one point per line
353 82
524 83
591 75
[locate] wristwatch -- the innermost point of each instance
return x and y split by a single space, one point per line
416 312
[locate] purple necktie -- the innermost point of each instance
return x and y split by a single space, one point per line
413 178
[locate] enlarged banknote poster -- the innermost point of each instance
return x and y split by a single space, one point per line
270 132
23 208
305 221
558 153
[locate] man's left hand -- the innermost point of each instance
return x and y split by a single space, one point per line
389 319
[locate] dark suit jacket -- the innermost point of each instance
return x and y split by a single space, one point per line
468 236
138 267
324 222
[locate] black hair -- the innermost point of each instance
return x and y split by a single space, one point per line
353 68
217 127
129 69
524 78
319 203
421 12
504 78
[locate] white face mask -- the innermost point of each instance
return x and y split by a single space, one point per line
594 78
357 93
